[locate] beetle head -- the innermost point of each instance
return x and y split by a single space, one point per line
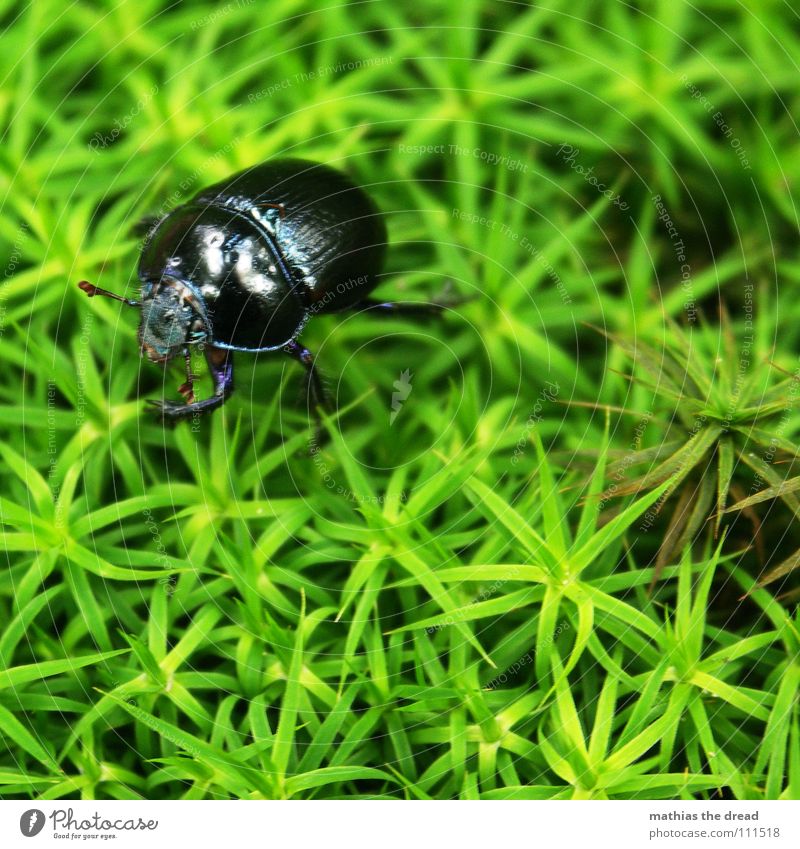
171 320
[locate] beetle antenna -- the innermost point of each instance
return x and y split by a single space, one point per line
92 290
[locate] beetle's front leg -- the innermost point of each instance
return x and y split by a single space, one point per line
187 389
220 364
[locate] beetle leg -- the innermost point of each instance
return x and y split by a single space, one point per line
187 389
306 359
319 396
444 301
399 309
220 364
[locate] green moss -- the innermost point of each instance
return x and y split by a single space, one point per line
438 603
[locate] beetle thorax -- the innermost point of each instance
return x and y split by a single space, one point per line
171 320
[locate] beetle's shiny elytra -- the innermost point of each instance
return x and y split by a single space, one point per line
246 262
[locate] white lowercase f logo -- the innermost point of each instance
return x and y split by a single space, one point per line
31 822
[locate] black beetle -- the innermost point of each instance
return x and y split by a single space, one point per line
246 262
